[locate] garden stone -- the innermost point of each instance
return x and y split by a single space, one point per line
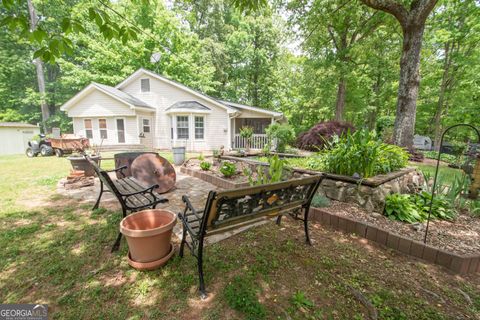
376 215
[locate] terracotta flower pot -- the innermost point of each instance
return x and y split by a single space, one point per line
148 235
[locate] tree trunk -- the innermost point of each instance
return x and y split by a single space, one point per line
408 86
372 115
39 67
340 104
441 98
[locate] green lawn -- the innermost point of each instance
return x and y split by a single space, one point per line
56 251
445 173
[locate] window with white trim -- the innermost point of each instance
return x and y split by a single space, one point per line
146 125
145 85
199 127
102 127
88 128
182 127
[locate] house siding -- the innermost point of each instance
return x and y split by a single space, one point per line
99 104
131 130
162 95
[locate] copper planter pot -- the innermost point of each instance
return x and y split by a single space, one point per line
148 235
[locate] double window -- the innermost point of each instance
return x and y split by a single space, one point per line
182 127
199 128
88 128
102 126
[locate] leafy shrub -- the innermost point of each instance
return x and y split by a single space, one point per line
205 165
318 137
414 208
201 157
391 158
364 154
246 132
319 201
240 295
444 157
228 169
276 172
216 153
314 162
282 133
401 207
441 207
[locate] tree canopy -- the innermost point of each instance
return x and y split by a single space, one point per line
315 61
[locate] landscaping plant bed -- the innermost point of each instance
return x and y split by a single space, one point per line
454 245
238 180
214 176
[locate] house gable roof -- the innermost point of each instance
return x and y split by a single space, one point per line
188 105
17 125
121 96
256 109
176 84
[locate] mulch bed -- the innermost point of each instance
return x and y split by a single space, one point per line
215 169
461 235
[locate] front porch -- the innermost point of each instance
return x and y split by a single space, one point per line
259 138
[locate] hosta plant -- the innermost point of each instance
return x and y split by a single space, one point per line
205 165
401 207
228 168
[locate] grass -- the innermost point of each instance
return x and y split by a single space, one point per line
448 174
54 250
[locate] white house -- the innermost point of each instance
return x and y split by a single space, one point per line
14 137
149 110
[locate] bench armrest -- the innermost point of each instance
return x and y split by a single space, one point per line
118 170
146 190
189 207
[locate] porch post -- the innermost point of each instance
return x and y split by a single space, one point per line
229 133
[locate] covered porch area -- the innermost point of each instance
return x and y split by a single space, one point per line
259 138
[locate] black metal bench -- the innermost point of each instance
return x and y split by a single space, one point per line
132 195
232 209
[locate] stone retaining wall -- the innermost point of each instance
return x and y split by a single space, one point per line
461 264
370 193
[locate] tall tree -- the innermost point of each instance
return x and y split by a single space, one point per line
39 69
332 30
412 20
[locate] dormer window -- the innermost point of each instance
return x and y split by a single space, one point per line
145 85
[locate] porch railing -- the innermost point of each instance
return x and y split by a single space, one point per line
258 141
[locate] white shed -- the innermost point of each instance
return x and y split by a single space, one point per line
14 137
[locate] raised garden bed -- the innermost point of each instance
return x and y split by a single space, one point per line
215 177
367 193
455 246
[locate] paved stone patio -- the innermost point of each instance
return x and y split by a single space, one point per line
196 190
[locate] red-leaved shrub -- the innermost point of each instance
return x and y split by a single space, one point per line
315 138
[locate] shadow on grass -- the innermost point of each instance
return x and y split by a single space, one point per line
60 255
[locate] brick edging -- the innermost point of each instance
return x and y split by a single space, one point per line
217 181
461 264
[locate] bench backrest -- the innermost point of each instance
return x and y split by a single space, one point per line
103 176
232 208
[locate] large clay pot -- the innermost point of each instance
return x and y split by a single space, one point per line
148 235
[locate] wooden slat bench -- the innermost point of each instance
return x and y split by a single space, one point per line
232 209
132 195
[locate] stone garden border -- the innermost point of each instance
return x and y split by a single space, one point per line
367 193
210 178
459 264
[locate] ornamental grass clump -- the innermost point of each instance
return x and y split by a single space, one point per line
363 154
